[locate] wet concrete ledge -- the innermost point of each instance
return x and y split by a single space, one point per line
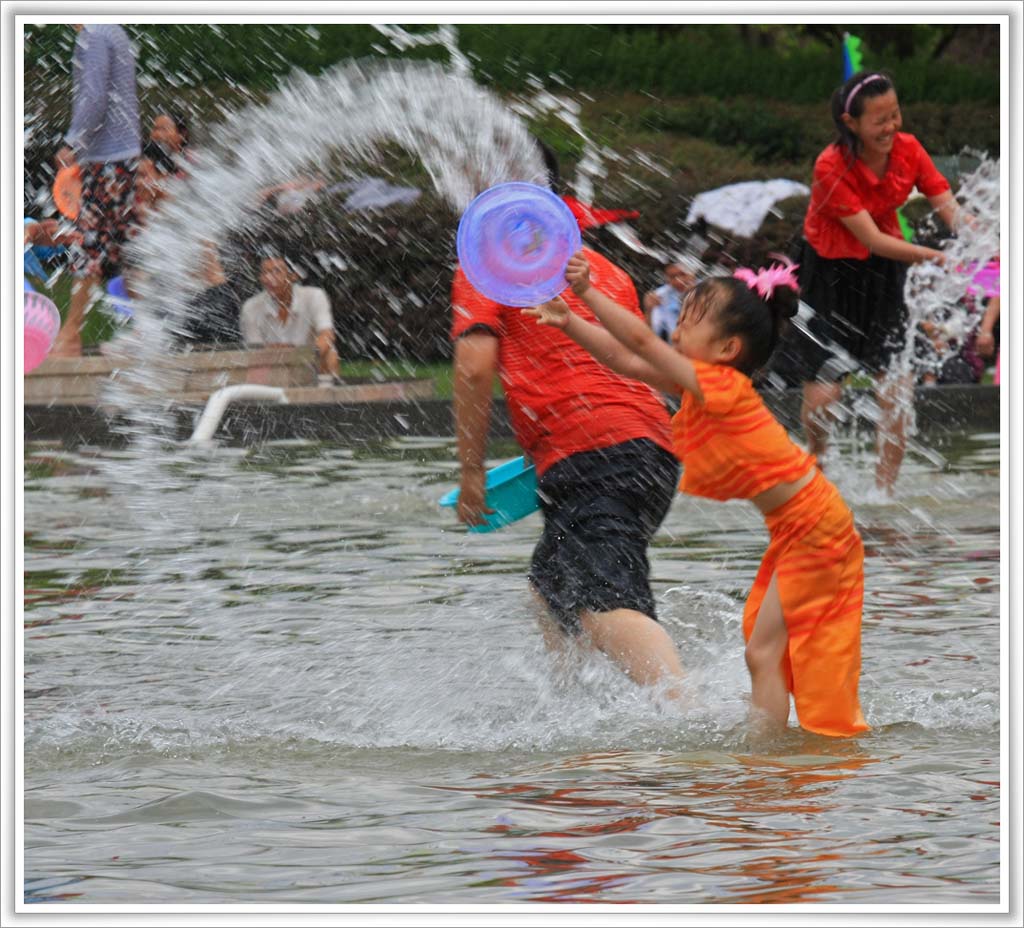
963 409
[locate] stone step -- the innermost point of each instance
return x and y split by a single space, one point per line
83 381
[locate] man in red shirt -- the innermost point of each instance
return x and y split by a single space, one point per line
606 473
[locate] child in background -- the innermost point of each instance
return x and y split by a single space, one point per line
661 306
985 285
802 619
985 339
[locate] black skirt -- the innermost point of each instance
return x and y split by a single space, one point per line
859 321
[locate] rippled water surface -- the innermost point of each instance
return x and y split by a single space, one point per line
282 675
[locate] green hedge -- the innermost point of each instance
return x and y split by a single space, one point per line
770 133
711 60
747 124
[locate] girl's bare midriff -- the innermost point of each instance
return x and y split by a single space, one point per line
781 493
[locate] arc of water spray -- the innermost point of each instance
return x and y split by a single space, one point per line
590 169
465 137
932 291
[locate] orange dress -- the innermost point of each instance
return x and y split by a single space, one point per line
732 447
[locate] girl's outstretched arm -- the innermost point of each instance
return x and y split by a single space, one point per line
600 343
864 229
951 213
632 332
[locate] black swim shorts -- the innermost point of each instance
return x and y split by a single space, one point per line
601 509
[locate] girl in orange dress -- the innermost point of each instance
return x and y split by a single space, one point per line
802 619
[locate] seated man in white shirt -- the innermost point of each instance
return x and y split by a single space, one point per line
286 314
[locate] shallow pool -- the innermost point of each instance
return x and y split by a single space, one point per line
282 675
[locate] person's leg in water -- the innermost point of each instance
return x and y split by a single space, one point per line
68 343
601 510
765 650
639 645
632 640
556 642
816 416
895 397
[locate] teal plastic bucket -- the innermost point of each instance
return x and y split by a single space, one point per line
511 493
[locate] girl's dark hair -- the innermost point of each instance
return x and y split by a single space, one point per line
867 84
741 311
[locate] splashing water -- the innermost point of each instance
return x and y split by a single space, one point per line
592 167
465 138
932 293
466 141
935 293
446 35
240 678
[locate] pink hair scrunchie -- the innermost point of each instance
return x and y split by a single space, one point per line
766 280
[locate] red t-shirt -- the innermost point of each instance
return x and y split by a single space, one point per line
840 190
560 399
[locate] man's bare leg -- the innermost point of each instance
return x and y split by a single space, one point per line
638 644
555 639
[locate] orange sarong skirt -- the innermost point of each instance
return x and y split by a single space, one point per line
819 558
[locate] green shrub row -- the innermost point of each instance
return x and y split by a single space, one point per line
712 61
747 124
773 133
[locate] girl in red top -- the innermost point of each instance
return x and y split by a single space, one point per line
854 259
802 619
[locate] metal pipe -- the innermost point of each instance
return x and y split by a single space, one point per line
218 403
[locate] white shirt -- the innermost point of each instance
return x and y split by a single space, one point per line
308 316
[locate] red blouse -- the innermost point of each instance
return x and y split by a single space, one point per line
839 191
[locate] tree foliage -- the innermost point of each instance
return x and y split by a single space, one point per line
797 63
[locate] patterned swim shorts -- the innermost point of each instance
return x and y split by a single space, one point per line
105 218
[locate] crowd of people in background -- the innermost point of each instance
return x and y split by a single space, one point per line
123 181
844 260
